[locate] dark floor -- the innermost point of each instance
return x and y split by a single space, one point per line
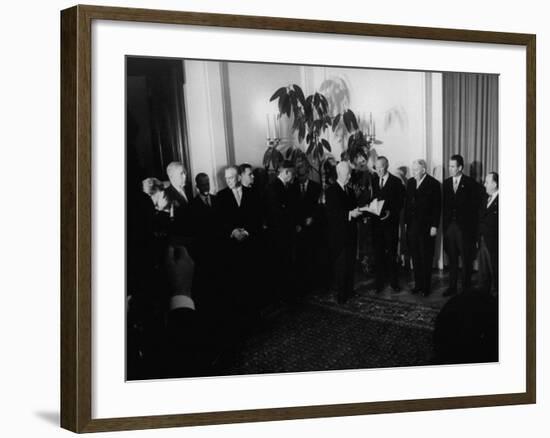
371 330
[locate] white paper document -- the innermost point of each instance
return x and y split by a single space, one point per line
374 207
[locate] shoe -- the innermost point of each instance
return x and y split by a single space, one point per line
449 292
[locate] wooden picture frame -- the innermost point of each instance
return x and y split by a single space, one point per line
76 218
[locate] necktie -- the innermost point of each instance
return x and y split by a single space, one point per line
207 200
303 189
237 196
382 182
455 184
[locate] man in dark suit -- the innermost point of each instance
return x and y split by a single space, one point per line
179 198
422 215
390 189
304 198
342 213
239 224
281 228
237 210
205 249
460 216
488 236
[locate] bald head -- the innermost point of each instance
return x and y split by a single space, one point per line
232 177
343 172
419 169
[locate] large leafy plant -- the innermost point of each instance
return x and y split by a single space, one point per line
311 118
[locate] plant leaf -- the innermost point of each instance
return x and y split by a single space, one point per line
320 150
326 145
299 94
301 133
350 142
347 122
353 120
278 93
283 102
335 122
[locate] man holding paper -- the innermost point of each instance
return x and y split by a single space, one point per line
342 213
389 189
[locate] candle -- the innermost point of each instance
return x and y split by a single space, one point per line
268 133
373 129
370 125
275 127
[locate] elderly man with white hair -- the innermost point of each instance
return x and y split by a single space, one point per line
422 217
178 198
342 213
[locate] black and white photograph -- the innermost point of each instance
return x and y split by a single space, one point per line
286 218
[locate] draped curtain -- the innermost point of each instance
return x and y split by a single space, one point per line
470 122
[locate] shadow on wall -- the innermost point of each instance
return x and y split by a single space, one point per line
476 171
396 116
336 90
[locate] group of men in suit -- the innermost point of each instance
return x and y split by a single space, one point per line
244 227
468 222
247 234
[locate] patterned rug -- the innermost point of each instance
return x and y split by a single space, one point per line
367 305
322 336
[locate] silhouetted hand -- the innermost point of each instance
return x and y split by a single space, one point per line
179 270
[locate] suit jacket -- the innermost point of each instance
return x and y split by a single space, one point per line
423 205
305 205
488 224
462 206
204 217
182 222
393 194
231 216
341 231
281 217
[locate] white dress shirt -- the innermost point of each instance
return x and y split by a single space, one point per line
420 182
492 198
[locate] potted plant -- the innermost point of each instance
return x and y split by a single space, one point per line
310 119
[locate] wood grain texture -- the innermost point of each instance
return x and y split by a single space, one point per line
76 219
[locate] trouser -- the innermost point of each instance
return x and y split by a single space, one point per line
305 260
421 246
281 247
488 267
385 243
459 243
344 270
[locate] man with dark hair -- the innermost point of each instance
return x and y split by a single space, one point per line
460 217
205 248
387 188
488 235
246 175
280 221
422 215
342 213
239 224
